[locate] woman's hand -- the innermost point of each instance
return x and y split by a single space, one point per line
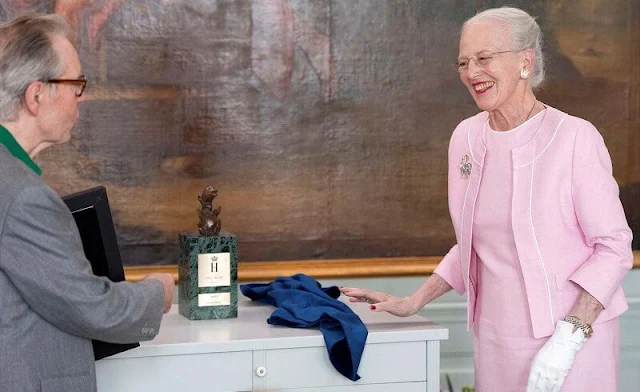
382 302
554 360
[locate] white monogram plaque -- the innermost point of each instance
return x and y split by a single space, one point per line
214 269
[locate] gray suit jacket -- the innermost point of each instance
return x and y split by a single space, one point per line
51 305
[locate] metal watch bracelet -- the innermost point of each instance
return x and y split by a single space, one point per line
584 327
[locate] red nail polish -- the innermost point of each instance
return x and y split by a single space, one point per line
372 307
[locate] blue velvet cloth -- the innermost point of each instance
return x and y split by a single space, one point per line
301 302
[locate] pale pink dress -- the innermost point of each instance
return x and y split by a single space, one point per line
504 345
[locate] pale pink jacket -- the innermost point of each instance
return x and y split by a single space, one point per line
567 220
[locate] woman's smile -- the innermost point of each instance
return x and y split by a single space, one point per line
482 87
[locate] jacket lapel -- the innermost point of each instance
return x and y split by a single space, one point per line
477 150
537 280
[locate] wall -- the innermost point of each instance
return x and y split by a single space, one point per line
324 123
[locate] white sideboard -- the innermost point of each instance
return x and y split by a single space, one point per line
247 354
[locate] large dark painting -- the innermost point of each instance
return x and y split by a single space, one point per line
323 123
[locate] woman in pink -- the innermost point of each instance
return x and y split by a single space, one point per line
543 243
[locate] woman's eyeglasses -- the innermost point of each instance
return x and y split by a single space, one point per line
481 60
79 83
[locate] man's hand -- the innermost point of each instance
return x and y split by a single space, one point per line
554 360
168 285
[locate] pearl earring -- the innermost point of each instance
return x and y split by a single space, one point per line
524 74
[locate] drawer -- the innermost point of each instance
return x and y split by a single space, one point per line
395 387
216 372
310 367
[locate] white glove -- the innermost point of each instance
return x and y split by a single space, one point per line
554 360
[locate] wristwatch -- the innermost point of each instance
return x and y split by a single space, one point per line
587 329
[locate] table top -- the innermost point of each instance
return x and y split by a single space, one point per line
250 331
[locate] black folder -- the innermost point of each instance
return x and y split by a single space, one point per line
90 209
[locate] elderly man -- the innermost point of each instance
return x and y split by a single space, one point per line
51 305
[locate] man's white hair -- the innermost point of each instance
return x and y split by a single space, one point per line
27 55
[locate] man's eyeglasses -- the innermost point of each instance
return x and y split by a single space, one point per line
481 60
80 83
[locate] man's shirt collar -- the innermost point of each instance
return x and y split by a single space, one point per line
7 140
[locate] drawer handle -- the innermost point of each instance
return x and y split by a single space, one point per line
261 371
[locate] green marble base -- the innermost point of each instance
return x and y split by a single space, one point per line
208 276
